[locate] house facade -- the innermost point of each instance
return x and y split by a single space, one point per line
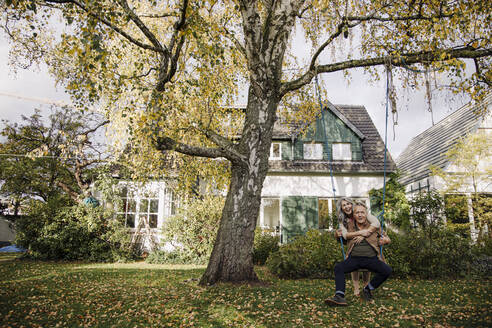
342 146
341 154
429 148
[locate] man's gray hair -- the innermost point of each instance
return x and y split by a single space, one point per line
360 203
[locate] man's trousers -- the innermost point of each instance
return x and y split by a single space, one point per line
353 263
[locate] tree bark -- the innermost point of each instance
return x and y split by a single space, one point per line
265 44
231 259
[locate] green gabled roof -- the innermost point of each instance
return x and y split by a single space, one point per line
357 119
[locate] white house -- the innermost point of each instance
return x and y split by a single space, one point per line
429 148
298 192
340 155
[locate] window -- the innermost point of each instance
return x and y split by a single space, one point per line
137 210
171 202
313 151
323 214
327 218
276 151
128 210
270 214
148 211
341 151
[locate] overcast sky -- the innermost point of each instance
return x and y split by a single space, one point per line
413 116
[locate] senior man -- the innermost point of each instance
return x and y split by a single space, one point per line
363 253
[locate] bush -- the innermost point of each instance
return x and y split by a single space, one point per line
194 228
265 244
312 255
482 263
75 232
447 254
174 257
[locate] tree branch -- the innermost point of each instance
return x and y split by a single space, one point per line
479 73
166 143
150 36
110 25
400 61
165 73
225 144
341 27
94 129
236 42
70 192
396 19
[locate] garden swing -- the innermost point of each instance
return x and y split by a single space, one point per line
381 215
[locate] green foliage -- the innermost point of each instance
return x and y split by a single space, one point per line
265 243
177 256
456 211
49 157
427 210
194 228
482 210
471 158
311 255
447 255
396 207
456 208
58 231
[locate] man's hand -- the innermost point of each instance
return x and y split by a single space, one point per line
338 233
358 239
384 240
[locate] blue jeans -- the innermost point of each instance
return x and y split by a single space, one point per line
354 263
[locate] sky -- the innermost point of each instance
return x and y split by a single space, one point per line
413 114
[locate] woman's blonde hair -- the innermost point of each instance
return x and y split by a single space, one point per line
342 217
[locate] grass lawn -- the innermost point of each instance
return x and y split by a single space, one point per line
47 294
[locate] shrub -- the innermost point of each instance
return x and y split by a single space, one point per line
75 232
173 257
311 255
265 244
194 228
447 254
482 261
412 253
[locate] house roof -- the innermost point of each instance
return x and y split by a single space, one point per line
429 148
358 120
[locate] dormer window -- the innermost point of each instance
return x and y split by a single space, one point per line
341 151
276 151
313 151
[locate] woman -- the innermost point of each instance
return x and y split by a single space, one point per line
345 215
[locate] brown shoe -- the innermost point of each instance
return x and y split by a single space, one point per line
336 300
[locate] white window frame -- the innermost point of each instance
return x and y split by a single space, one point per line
272 155
146 212
313 151
132 206
341 151
261 217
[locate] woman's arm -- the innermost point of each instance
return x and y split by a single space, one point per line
349 235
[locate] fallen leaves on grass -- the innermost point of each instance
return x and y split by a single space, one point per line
67 295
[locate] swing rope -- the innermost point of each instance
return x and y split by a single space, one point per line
381 215
327 151
389 80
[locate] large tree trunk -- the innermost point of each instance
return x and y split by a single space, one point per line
265 44
231 259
